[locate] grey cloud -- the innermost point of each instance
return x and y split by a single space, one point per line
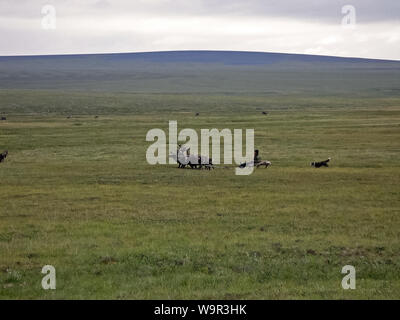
151 25
317 10
327 11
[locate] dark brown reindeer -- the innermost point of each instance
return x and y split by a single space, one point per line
3 155
319 164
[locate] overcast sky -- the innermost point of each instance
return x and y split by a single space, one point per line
292 26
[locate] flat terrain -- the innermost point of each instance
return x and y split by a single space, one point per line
78 194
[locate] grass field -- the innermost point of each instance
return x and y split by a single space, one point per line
78 194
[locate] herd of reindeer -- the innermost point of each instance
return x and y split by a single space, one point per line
184 158
194 161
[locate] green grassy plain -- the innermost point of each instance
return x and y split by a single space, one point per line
78 194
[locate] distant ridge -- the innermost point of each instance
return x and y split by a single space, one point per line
224 72
208 56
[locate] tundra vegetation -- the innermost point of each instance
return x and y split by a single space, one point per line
77 193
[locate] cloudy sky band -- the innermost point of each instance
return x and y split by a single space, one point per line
100 26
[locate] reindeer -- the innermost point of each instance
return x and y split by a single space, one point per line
184 158
319 164
3 155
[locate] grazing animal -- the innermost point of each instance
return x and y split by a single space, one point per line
184 158
3 118
255 164
205 162
196 161
197 114
181 157
264 112
320 163
263 163
3 155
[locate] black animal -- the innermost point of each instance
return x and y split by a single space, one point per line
3 118
320 163
208 165
264 112
200 162
3 155
184 158
197 114
181 164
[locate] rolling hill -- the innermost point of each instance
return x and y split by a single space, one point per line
229 72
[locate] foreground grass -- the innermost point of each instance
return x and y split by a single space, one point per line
78 194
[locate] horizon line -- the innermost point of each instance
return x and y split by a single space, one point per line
191 50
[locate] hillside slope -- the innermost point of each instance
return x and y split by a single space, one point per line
202 71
